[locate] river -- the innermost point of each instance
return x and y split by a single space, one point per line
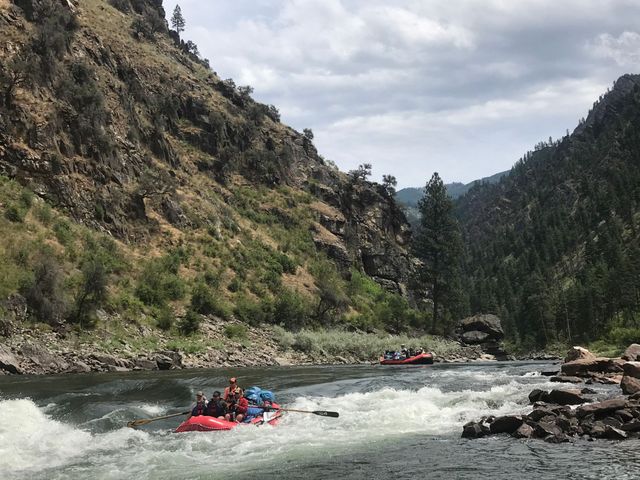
395 423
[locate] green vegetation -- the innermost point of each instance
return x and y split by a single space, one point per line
554 246
361 345
438 245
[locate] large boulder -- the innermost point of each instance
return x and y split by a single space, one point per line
566 397
474 337
578 353
603 407
632 353
489 324
506 424
630 385
632 369
586 366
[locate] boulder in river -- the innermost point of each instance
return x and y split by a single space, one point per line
603 407
632 369
566 379
524 431
586 367
630 385
578 353
472 430
632 353
566 397
506 424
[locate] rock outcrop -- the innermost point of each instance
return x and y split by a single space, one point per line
612 419
485 331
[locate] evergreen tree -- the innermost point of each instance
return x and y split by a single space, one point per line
177 20
438 245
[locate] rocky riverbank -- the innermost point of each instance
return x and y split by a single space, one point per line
561 415
38 350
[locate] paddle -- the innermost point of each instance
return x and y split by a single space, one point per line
144 421
322 413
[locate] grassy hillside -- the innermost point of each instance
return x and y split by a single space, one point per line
138 188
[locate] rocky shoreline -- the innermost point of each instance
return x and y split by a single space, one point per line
561 415
32 350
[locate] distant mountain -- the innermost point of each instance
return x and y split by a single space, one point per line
411 195
554 247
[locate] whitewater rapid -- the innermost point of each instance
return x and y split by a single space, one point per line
379 408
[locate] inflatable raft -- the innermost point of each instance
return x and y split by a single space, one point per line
420 359
203 423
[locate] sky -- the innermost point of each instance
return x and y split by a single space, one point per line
462 87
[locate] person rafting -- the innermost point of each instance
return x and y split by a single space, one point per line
403 351
200 408
216 406
237 409
232 390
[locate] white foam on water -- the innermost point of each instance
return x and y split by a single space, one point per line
33 445
30 440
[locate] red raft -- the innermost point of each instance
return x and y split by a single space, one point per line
420 359
204 423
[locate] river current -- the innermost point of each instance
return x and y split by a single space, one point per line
395 423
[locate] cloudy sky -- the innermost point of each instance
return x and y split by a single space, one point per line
462 87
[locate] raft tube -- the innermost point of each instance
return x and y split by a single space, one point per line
421 359
203 423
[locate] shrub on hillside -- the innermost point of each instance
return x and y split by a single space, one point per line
164 318
252 312
63 232
190 323
159 281
208 302
235 331
14 213
45 294
291 310
92 291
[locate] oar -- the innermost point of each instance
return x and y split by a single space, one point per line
144 421
322 413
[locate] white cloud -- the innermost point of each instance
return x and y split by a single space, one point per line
411 86
624 49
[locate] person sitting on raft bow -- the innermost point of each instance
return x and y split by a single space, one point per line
237 409
216 406
200 407
232 390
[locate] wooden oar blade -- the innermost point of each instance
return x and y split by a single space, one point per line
137 423
324 413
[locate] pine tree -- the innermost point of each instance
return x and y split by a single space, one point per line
177 20
438 245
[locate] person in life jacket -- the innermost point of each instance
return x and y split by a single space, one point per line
216 406
237 409
232 390
200 407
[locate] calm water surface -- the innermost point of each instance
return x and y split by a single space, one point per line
395 423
